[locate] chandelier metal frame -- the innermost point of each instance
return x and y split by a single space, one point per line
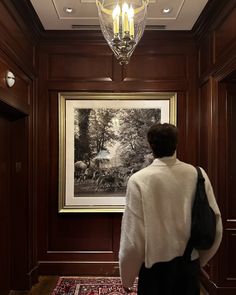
122 25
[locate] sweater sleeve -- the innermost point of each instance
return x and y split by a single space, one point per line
131 253
206 255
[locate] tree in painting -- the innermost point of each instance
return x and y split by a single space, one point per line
101 131
81 136
110 145
134 125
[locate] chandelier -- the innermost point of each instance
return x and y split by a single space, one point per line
122 24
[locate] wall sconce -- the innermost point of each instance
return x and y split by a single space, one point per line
10 79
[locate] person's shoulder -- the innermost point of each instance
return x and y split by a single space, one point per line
139 174
187 169
186 165
191 167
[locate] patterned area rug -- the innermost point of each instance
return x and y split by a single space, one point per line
90 286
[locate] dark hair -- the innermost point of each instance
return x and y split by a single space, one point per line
163 139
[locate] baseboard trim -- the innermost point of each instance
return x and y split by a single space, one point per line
23 287
204 291
33 276
14 292
104 268
225 290
211 288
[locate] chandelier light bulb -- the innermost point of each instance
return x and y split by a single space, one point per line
125 19
116 19
131 21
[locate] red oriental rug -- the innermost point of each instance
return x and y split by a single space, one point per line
90 286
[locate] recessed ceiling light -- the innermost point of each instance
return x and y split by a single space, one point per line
166 10
69 9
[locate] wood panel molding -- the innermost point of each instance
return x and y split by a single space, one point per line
25 9
212 16
216 37
205 121
214 289
205 55
230 274
158 67
77 67
225 34
70 268
16 38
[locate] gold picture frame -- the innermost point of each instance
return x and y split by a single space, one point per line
95 135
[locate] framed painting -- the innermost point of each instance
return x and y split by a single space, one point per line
102 142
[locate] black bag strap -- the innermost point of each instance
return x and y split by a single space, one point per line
199 175
189 248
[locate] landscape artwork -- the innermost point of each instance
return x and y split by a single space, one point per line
105 144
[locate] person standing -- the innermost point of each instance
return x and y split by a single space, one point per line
156 223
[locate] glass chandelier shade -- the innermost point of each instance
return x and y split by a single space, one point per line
122 24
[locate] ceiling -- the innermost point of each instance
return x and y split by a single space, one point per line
53 15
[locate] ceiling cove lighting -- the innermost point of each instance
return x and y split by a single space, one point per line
122 24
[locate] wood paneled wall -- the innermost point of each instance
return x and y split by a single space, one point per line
80 243
18 259
217 68
82 61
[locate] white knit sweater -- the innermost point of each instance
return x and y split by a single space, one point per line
157 218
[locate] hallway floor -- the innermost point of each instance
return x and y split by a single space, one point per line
45 286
